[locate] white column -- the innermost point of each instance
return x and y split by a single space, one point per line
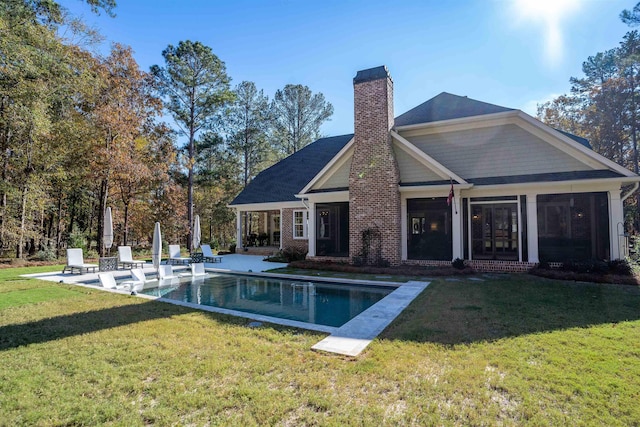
311 229
238 229
616 216
456 227
280 228
532 227
403 228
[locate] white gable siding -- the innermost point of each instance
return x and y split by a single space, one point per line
495 151
339 179
411 170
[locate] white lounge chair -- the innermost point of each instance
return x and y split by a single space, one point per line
125 259
208 256
175 256
197 269
166 272
140 281
107 281
75 261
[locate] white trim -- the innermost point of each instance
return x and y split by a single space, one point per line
438 190
238 229
270 206
311 229
327 197
557 185
425 159
616 215
305 224
404 238
457 234
577 150
526 122
462 123
533 253
334 161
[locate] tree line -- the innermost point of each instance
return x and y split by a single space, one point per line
603 105
80 132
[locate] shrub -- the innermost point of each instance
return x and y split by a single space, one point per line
287 255
77 239
232 248
458 264
544 265
47 254
621 267
294 254
594 266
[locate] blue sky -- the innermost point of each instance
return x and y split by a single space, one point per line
513 53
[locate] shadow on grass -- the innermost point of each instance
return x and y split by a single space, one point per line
53 328
498 306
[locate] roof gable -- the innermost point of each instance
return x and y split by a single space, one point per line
282 181
446 106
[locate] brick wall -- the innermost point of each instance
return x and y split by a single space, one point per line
374 197
286 233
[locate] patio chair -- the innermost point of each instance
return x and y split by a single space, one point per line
175 256
75 261
125 259
140 281
197 269
107 281
208 256
166 272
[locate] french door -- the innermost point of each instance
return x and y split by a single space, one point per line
494 231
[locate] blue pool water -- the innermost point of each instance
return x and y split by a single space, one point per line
321 303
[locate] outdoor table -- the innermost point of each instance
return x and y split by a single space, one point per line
108 263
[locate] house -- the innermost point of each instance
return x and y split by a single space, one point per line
450 178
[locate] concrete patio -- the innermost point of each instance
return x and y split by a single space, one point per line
230 263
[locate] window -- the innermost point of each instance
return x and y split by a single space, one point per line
300 219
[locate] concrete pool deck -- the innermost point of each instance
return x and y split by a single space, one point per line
349 339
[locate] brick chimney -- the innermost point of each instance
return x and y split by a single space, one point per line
374 196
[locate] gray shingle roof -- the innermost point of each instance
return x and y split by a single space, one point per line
578 139
446 107
282 181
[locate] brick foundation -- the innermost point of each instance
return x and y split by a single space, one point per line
481 266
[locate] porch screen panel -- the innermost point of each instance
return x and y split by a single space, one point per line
429 234
332 229
573 227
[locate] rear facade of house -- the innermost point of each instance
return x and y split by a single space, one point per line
451 178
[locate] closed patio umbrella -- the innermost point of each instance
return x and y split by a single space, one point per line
195 242
156 247
107 233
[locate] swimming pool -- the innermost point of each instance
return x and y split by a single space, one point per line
320 303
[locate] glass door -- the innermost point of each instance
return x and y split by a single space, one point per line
494 230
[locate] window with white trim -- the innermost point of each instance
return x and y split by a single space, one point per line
300 221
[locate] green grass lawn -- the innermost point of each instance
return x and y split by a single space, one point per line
504 349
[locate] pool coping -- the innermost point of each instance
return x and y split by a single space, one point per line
349 339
